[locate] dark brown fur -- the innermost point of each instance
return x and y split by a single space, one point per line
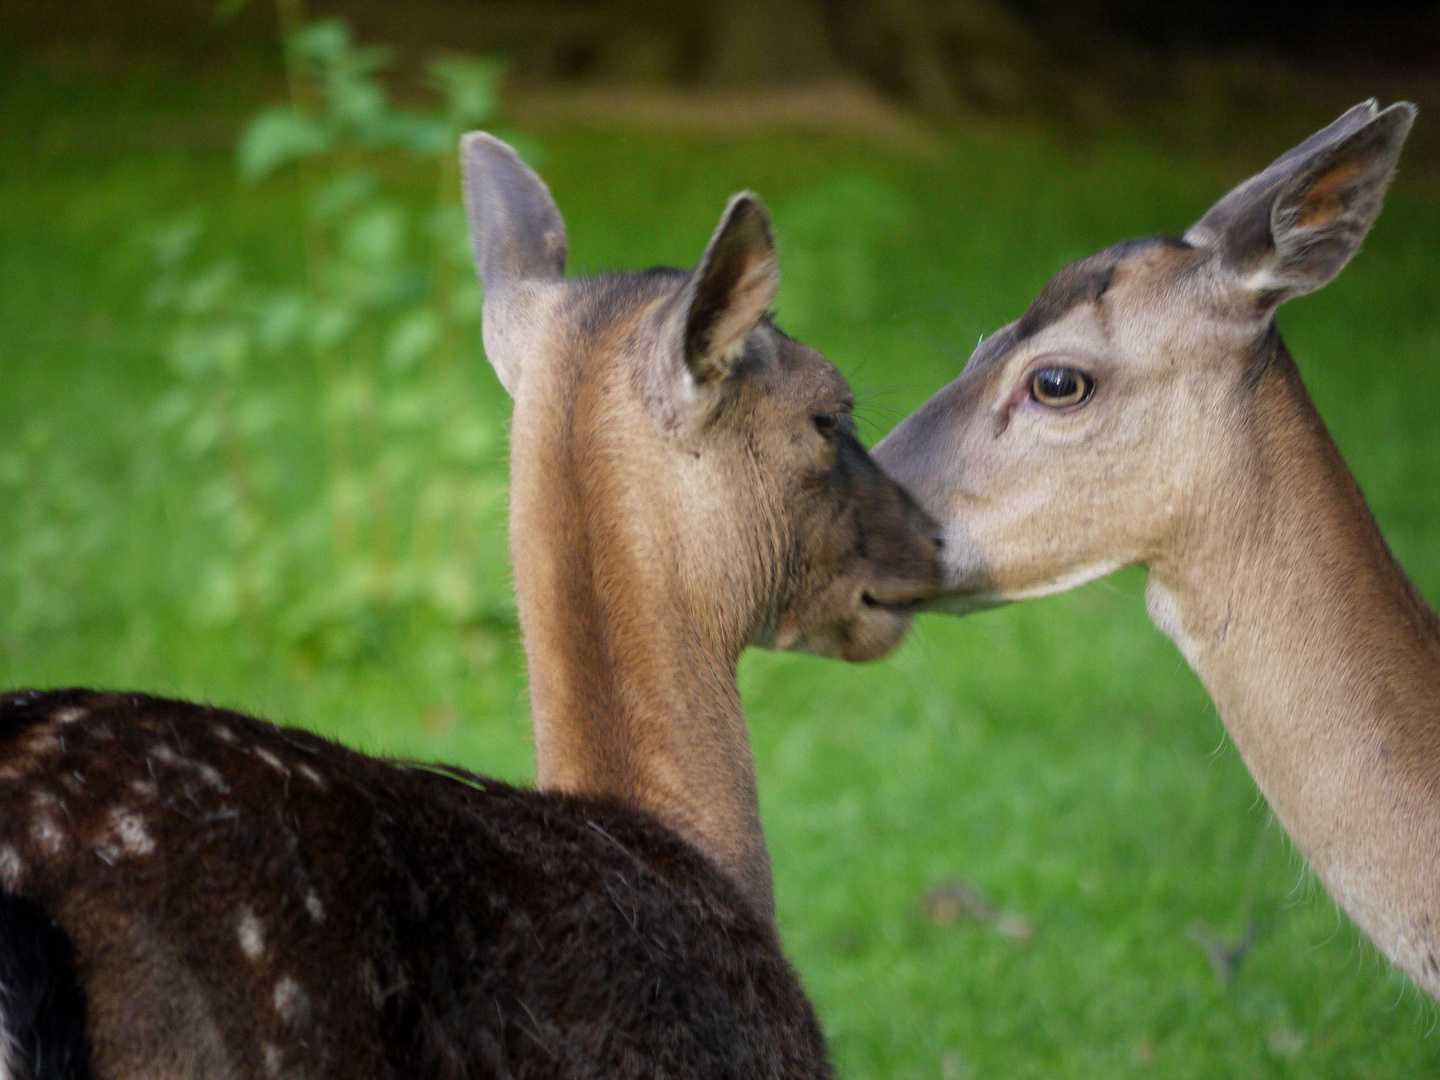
407 921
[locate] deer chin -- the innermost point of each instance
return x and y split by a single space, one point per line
867 629
876 631
969 593
963 603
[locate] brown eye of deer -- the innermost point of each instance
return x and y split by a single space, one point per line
1060 387
826 425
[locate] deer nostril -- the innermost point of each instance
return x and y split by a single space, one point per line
939 542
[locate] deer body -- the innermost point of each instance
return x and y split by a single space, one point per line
189 892
245 900
1145 409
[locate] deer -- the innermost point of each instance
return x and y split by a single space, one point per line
1145 410
191 892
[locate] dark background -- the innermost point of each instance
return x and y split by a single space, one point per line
1219 76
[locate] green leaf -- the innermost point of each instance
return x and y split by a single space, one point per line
342 194
362 106
173 243
331 325
470 87
211 291
423 136
277 137
375 237
325 40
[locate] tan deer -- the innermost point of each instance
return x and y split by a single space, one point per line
189 892
1145 410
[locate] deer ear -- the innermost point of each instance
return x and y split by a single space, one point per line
1292 228
730 290
518 240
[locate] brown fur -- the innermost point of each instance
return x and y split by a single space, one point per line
1200 455
685 481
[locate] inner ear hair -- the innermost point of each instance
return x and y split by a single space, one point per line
1291 229
516 231
730 290
1321 217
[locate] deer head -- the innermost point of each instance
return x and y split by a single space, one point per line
1115 421
685 480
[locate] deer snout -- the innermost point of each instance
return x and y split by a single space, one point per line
903 546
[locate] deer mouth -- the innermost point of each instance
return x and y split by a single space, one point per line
898 607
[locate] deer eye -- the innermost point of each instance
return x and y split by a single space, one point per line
1060 387
825 424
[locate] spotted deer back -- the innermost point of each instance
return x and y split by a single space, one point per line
249 900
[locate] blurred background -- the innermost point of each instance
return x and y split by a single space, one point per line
251 452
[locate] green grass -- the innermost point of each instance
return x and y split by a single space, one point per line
1059 755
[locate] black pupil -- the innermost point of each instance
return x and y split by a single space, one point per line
1058 383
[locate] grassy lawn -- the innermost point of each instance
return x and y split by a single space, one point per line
1058 758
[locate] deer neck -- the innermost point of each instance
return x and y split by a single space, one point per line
632 667
1323 662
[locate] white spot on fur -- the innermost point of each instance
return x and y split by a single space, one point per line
205 770
290 1001
74 782
12 873
144 788
224 734
43 742
311 775
371 982
47 834
163 753
135 839
251 934
68 715
314 907
10 773
270 759
211 776
271 1053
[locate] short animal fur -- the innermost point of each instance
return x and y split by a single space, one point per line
1184 440
189 892
245 900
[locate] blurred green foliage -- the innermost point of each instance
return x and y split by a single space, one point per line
1056 758
385 312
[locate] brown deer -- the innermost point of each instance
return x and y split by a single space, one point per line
189 892
1145 410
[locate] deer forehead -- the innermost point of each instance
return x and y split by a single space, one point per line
1161 311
